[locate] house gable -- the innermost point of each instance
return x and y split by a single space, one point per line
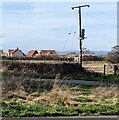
15 53
47 52
32 53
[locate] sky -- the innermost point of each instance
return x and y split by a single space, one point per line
54 25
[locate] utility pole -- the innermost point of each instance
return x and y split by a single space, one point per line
81 31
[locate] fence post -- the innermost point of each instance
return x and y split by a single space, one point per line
104 69
115 69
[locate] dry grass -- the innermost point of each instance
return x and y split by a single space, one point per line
106 94
98 66
19 92
65 95
57 93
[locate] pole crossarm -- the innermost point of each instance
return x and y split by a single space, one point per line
80 6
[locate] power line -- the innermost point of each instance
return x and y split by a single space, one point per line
99 19
44 12
86 17
70 33
73 38
102 13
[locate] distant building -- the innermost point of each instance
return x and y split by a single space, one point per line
32 53
77 58
88 57
71 55
47 53
85 57
15 53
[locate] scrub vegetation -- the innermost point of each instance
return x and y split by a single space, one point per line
53 99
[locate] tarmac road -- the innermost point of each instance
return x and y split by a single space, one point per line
66 118
61 81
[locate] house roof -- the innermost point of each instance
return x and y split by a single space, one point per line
1 52
31 53
11 51
47 52
70 55
14 50
87 55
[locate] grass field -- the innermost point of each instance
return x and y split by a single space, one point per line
98 66
61 100
30 98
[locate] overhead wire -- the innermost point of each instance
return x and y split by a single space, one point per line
86 17
102 13
70 33
101 18
73 39
68 12
105 21
85 22
44 12
61 11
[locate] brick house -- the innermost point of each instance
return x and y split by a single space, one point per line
32 53
47 53
15 53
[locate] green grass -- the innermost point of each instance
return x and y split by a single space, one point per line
83 99
113 78
12 108
81 76
18 110
93 76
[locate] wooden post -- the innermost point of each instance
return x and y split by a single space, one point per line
104 69
115 69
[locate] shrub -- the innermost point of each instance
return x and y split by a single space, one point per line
113 55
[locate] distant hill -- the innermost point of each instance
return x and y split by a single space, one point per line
66 52
100 52
77 52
